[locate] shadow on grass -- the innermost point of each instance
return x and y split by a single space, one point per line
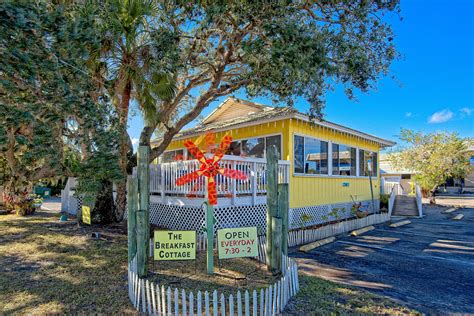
52 267
321 297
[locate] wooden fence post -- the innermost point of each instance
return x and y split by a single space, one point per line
283 209
132 206
274 234
142 250
143 215
209 209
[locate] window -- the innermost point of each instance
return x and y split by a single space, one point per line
364 156
472 161
311 155
255 147
343 160
299 154
173 155
234 149
273 140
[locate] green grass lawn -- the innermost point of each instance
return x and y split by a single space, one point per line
52 267
49 267
321 297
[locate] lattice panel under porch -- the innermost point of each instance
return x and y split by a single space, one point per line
320 214
193 218
176 217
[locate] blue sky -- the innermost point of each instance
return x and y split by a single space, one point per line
434 86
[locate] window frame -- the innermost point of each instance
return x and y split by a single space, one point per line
330 152
260 136
184 149
356 158
377 174
329 144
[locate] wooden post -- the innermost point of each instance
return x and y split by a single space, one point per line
253 182
276 245
273 221
209 231
283 210
162 183
142 249
143 215
210 238
132 206
234 185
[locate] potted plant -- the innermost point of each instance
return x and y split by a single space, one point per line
25 204
356 209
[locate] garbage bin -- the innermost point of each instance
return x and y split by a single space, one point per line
43 191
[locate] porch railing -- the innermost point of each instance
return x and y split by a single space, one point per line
163 177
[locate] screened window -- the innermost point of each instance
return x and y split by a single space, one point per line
234 149
274 140
255 147
364 157
343 160
173 155
311 155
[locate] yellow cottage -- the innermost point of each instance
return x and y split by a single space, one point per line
326 165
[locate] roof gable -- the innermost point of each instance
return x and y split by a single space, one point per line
264 114
233 108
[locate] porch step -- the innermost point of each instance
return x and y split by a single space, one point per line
405 206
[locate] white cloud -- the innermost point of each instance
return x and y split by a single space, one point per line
135 141
408 114
441 116
467 111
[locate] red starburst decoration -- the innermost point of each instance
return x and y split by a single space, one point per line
210 167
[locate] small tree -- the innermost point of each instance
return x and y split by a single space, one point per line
433 157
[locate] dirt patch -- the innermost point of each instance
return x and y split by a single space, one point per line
229 275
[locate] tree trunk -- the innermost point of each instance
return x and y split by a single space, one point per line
433 195
121 200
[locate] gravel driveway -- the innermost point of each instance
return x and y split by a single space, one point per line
427 265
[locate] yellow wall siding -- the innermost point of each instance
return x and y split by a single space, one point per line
271 128
306 190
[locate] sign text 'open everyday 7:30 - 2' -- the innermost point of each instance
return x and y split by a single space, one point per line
237 242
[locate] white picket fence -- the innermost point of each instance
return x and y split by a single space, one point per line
153 299
304 236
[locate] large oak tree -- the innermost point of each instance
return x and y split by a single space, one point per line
281 50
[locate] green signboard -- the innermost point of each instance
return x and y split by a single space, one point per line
175 245
237 242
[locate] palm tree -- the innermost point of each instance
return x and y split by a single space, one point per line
132 56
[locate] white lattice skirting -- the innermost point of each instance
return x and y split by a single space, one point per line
320 214
191 217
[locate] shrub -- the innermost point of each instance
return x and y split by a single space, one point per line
384 200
